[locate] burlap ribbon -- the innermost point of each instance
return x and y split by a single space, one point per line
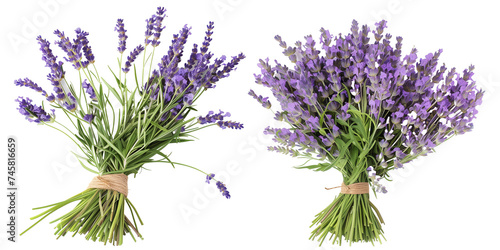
116 182
355 188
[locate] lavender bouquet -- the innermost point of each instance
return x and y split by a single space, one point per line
121 128
362 108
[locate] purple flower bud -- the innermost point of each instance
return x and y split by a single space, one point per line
89 118
344 115
383 144
399 154
209 178
188 99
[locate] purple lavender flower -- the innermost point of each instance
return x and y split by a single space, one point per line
70 106
212 117
399 154
178 84
169 63
157 27
344 115
89 118
264 101
208 39
222 188
73 49
32 112
70 103
279 116
230 66
60 96
383 144
209 178
88 89
122 37
56 72
131 58
149 29
87 50
30 84
229 124
218 119
188 99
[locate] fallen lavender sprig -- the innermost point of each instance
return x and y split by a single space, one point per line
121 127
358 106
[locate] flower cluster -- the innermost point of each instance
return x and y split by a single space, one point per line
222 188
122 37
56 76
32 112
181 84
218 118
411 105
77 49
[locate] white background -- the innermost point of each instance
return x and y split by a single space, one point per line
448 200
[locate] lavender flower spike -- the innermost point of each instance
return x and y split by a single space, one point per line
89 118
222 188
218 118
208 39
230 66
158 28
211 117
229 124
149 29
131 58
32 112
264 101
122 37
30 84
87 50
56 73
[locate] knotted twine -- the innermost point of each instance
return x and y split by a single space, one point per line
116 182
355 188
